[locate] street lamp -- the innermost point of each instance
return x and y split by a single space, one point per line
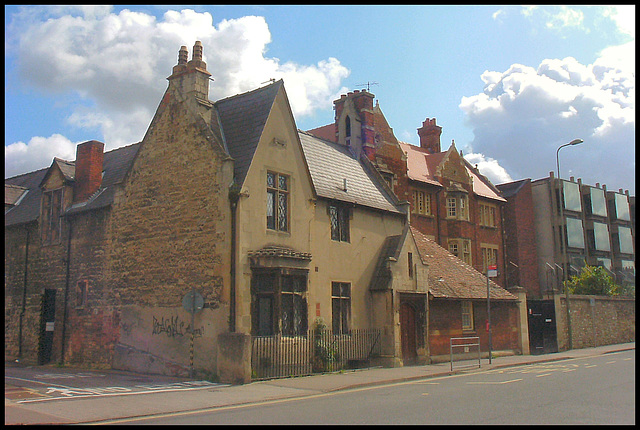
572 143
562 234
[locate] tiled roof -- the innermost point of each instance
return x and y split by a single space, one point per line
243 118
422 165
326 132
116 164
451 278
330 164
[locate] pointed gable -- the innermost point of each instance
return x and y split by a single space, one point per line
242 120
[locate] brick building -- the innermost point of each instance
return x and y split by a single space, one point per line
451 202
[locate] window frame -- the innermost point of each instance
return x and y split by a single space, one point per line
340 229
487 260
51 216
275 193
341 323
462 249
271 287
466 309
457 206
488 215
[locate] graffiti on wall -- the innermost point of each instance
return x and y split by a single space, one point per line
174 327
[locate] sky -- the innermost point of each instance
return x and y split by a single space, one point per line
508 84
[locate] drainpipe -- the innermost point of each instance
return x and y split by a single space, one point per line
24 293
66 291
234 196
438 216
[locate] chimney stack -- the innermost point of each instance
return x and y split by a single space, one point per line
192 76
430 136
88 174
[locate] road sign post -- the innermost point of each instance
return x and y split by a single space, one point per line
192 303
492 272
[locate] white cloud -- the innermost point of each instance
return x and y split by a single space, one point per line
525 114
118 63
23 157
489 167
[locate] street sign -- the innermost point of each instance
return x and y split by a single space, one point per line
193 301
492 271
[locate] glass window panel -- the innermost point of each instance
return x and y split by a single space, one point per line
271 180
265 316
604 262
575 235
333 215
572 196
282 212
598 202
271 219
282 182
343 217
628 264
622 207
626 242
601 235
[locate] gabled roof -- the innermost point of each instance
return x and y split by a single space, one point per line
451 278
511 188
115 166
13 193
422 166
242 119
330 164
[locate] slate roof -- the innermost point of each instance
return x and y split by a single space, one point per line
242 119
116 164
451 278
511 188
330 164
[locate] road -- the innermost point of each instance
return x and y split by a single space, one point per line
590 390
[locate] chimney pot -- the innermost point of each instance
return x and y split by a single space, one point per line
430 136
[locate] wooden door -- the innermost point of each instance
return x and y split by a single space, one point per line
408 333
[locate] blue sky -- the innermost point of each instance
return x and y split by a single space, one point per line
508 83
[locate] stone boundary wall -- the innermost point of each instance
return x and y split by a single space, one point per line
595 320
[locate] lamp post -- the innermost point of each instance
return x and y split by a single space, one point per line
562 235
572 143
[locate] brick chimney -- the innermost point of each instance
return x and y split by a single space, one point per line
358 135
430 136
88 176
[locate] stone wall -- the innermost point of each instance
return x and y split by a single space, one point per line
595 321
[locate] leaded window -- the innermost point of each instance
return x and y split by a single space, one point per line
277 201
339 217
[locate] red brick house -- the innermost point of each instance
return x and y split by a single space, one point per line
451 201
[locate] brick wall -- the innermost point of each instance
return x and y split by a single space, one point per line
445 322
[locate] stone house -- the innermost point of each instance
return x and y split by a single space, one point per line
224 209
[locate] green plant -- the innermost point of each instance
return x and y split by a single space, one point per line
594 280
325 353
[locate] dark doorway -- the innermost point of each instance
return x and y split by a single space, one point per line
47 321
542 327
408 333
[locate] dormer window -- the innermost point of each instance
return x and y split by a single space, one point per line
50 222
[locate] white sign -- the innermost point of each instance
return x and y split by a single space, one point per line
492 271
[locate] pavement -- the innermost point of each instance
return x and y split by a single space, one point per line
25 404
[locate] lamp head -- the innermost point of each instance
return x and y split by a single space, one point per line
576 142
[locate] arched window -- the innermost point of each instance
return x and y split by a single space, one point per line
347 126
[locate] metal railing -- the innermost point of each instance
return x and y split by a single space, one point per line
467 355
316 352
